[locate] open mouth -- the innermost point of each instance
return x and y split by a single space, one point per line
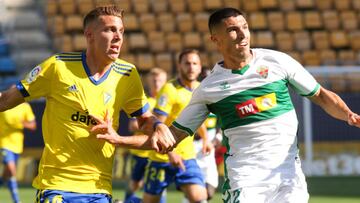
243 44
115 48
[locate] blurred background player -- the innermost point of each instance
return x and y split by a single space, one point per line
12 124
155 79
178 166
206 161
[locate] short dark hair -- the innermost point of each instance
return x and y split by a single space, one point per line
186 52
110 10
217 16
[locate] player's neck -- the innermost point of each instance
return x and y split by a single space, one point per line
153 93
97 65
187 83
238 62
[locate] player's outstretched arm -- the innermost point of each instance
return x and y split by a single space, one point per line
161 140
10 98
30 125
335 106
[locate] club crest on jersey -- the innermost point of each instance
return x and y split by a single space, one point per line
33 74
162 100
263 71
107 97
256 105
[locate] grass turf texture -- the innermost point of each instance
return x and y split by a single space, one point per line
27 195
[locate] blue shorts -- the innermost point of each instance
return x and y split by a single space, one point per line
8 156
59 196
159 176
138 165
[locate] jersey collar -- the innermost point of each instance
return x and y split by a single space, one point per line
87 70
243 69
181 84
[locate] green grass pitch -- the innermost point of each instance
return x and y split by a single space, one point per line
28 194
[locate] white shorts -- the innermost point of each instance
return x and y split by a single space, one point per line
294 191
208 167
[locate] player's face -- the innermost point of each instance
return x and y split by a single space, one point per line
157 81
232 37
108 35
190 67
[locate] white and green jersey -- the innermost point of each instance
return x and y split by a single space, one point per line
256 115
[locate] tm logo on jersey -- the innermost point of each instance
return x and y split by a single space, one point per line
256 105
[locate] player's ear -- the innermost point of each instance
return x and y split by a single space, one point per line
214 38
88 33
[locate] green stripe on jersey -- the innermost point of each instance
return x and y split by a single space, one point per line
188 130
228 113
312 93
242 70
225 142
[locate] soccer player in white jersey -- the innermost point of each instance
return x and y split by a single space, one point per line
79 88
248 92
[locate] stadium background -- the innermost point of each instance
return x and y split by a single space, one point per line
324 35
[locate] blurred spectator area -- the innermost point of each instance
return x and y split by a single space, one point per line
315 32
7 64
24 40
318 33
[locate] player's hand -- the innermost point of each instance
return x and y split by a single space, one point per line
354 119
176 160
162 140
104 130
207 148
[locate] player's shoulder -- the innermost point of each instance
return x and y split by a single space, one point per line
67 56
215 73
169 87
25 105
172 83
176 85
123 67
270 55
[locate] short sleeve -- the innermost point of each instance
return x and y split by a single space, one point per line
194 114
38 81
135 101
299 78
165 99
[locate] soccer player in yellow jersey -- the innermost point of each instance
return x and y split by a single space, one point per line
12 124
155 79
180 165
79 89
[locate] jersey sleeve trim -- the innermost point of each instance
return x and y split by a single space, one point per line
141 111
312 93
188 130
158 111
22 89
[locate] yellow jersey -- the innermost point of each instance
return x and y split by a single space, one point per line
73 159
140 152
171 100
11 127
